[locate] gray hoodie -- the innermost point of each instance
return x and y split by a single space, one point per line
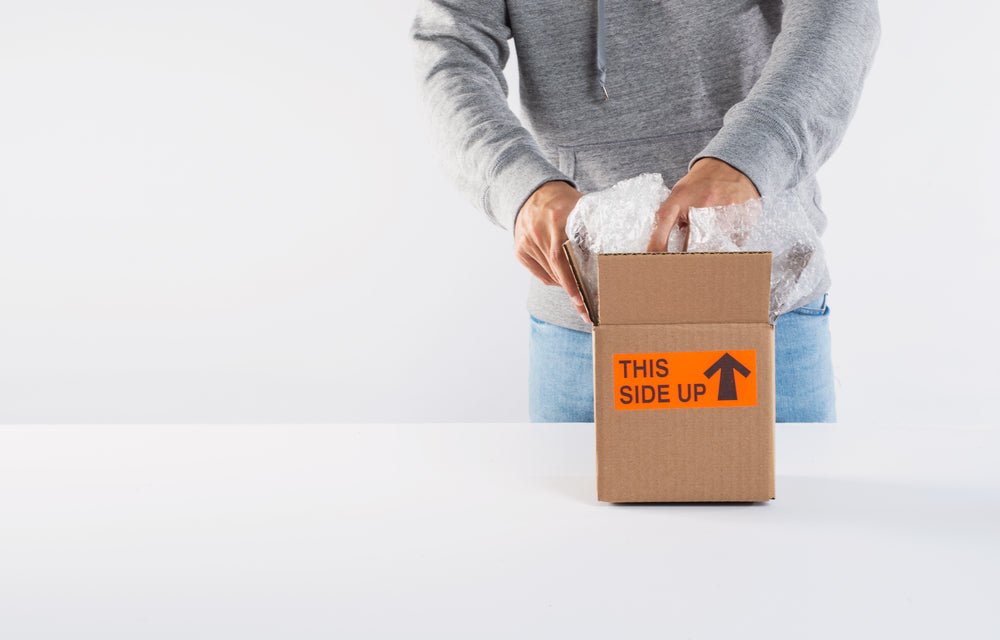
634 86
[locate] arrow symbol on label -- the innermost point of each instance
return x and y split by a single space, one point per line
725 366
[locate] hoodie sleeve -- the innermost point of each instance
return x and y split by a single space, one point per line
797 111
460 52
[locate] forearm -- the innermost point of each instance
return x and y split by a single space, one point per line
799 108
460 52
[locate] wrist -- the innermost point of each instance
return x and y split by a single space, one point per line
717 169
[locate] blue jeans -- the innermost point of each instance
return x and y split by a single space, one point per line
561 373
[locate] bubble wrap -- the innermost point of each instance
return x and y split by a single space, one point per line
621 220
776 223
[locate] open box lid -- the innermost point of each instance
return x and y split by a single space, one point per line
678 288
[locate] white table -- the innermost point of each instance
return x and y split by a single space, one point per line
485 530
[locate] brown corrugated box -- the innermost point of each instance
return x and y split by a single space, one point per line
683 377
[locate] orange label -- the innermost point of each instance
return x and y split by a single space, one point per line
685 380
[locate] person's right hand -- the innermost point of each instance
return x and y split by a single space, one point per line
539 233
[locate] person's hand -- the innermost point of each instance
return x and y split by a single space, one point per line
539 233
709 183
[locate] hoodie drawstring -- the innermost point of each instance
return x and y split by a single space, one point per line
601 74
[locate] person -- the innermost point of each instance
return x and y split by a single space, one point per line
728 100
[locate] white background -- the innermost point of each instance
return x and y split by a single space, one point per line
220 211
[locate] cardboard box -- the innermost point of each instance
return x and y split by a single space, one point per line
683 377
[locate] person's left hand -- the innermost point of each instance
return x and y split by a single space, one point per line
709 183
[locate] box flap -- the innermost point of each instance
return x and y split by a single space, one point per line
568 250
680 288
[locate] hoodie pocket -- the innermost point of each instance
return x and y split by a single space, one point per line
598 166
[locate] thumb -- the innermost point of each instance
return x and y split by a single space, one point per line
666 218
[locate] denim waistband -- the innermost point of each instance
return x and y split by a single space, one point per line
815 308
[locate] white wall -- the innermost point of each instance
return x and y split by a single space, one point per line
219 211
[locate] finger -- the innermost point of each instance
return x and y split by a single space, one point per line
559 265
544 260
536 269
568 282
533 257
666 218
681 232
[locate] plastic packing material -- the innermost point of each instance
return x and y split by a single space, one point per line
621 219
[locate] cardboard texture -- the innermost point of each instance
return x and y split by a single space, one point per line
683 377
